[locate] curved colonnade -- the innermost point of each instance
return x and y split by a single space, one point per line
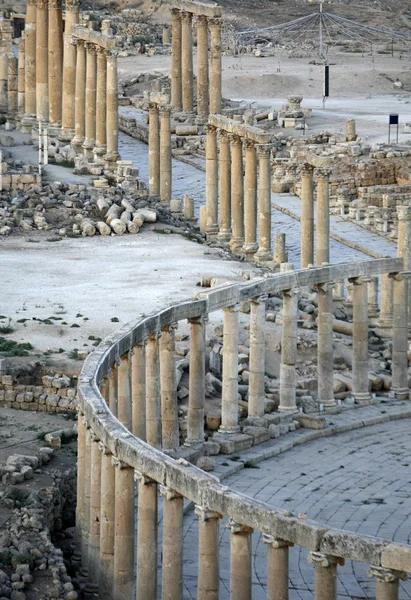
128 430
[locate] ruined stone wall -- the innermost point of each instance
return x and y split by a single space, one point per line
54 395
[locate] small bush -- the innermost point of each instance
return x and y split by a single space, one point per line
12 348
5 329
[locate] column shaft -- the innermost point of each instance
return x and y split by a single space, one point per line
30 59
250 198
323 220
95 517
21 78
215 66
202 66
277 568
165 155
187 61
229 408
107 516
399 366
113 390
195 418
4 78
69 70
86 500
80 95
264 205
224 170
172 579
288 352
147 534
176 87
81 457
360 342
169 407
12 85
240 562
55 65
307 217
237 193
387 299
91 76
208 555
101 104
124 392
153 400
124 532
112 155
211 182
42 61
154 151
325 360
256 390
138 390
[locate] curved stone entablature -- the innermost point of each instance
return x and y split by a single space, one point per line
110 455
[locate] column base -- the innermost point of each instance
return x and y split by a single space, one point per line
11 122
110 160
291 410
332 409
53 130
66 135
400 394
236 244
88 148
77 143
99 153
224 236
190 443
262 255
212 232
28 123
363 398
232 442
250 248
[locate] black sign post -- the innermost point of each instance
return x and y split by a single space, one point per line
326 91
394 120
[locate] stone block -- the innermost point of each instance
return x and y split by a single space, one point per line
259 434
311 421
396 556
274 431
213 422
255 422
206 463
233 442
284 427
211 448
352 546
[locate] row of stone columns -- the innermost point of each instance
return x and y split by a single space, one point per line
159 152
208 77
322 221
243 203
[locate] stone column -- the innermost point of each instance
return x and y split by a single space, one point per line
288 352
323 218
123 531
176 82
373 306
165 154
12 89
124 392
237 193
229 404
256 390
153 400
101 106
86 499
240 561
208 554
264 204
169 407
80 96
112 155
69 71
277 567
55 66
112 390
187 60
211 182
385 319
4 78
404 242
202 66
195 418
399 366
360 341
215 65
154 150
21 78
224 168
280 255
325 361
325 575
30 62
91 77
350 133
172 575
107 515
138 390
307 216
42 61
81 457
147 535
386 582
95 517
250 198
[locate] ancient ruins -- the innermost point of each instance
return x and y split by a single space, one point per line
263 307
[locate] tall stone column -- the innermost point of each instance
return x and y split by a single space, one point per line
288 352
323 218
91 89
81 457
307 216
215 65
208 554
169 407
42 61
237 193
95 517
250 198
211 182
404 243
12 89
229 408
165 154
154 150
224 168
187 60
325 360
107 516
101 106
153 400
360 341
176 51
202 66
123 531
256 390
30 64
325 575
138 390
196 403
387 290
113 390
86 499
80 96
69 71
240 561
124 392
386 582
399 365
4 78
55 66
277 568
112 155
21 78
172 576
147 539
264 204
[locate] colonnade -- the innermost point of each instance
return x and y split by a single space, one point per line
321 253
238 198
209 24
159 151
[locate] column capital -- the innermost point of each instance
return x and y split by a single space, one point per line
169 493
155 335
239 528
359 280
203 19
215 22
32 2
143 479
90 47
165 109
170 327
100 50
111 53
42 4
210 128
186 16
104 449
54 4
275 542
233 308
204 514
77 42
260 299
401 276
235 140
248 144
404 213
324 560
386 575
264 150
176 12
153 108
72 5
324 287
307 169
202 319
224 135
119 463
289 293
323 174
93 437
